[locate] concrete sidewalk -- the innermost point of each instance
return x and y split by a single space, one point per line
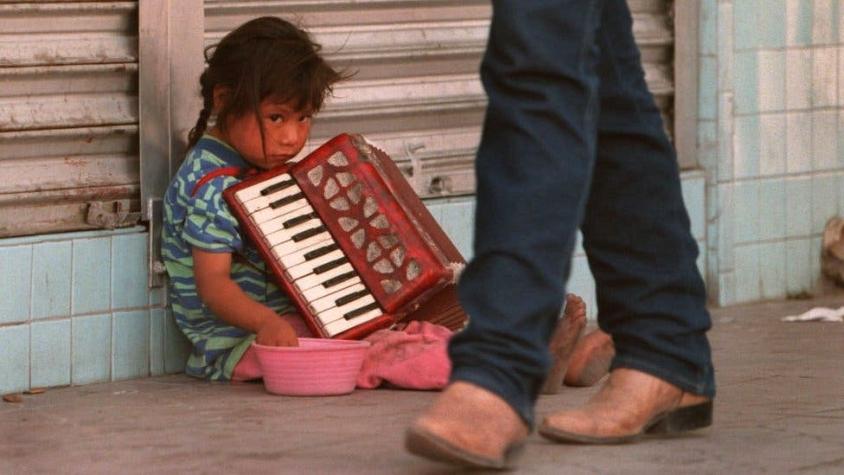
780 409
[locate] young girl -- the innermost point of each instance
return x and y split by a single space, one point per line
263 83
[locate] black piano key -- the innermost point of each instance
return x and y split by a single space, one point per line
308 233
299 220
277 187
351 297
286 201
320 251
360 311
330 265
339 279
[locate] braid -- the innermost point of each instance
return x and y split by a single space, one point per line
199 129
207 105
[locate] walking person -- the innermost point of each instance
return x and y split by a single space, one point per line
572 138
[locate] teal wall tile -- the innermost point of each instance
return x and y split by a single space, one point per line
798 211
708 88
727 288
458 222
799 15
158 296
91 279
747 146
14 358
746 82
772 214
824 22
747 211
707 144
771 30
156 341
772 269
798 78
824 200
91 349
771 80
727 202
815 258
798 266
129 271
176 346
772 129
825 140
748 281
15 281
131 344
708 35
51 270
694 199
824 71
798 142
746 12
50 353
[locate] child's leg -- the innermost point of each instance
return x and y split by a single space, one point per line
247 368
566 334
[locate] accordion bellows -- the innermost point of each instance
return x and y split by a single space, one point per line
350 241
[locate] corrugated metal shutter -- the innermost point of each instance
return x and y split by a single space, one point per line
417 92
68 115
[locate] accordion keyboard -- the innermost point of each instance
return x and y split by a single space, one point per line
313 261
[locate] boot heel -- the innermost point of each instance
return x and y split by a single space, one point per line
683 419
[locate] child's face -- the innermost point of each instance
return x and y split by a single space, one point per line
285 132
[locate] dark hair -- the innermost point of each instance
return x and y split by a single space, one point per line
264 57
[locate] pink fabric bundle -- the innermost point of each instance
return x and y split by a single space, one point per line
413 358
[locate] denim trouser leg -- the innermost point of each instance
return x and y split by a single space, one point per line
549 67
636 230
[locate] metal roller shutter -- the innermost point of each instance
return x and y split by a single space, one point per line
68 116
417 92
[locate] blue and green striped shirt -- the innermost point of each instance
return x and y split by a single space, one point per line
205 222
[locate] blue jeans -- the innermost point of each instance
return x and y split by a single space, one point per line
572 138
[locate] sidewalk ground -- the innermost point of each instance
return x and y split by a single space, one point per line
780 409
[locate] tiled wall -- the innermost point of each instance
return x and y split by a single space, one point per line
770 122
75 308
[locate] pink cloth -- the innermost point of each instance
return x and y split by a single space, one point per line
413 358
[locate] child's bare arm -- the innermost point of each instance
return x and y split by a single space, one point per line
229 302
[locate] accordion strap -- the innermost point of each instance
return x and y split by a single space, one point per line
225 171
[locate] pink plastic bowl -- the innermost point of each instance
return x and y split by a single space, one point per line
317 367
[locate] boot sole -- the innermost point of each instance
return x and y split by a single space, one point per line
682 419
420 442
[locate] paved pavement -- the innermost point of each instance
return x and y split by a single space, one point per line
780 409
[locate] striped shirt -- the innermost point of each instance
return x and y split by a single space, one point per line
205 222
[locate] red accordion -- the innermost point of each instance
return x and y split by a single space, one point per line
350 242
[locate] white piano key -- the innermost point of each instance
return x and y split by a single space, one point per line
339 326
312 280
266 214
261 202
307 267
327 301
254 191
286 234
291 246
318 291
277 223
298 257
327 316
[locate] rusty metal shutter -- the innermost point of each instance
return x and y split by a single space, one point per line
417 91
68 115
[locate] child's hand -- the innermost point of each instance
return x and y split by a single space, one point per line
276 332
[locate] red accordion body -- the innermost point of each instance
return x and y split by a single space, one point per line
349 240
